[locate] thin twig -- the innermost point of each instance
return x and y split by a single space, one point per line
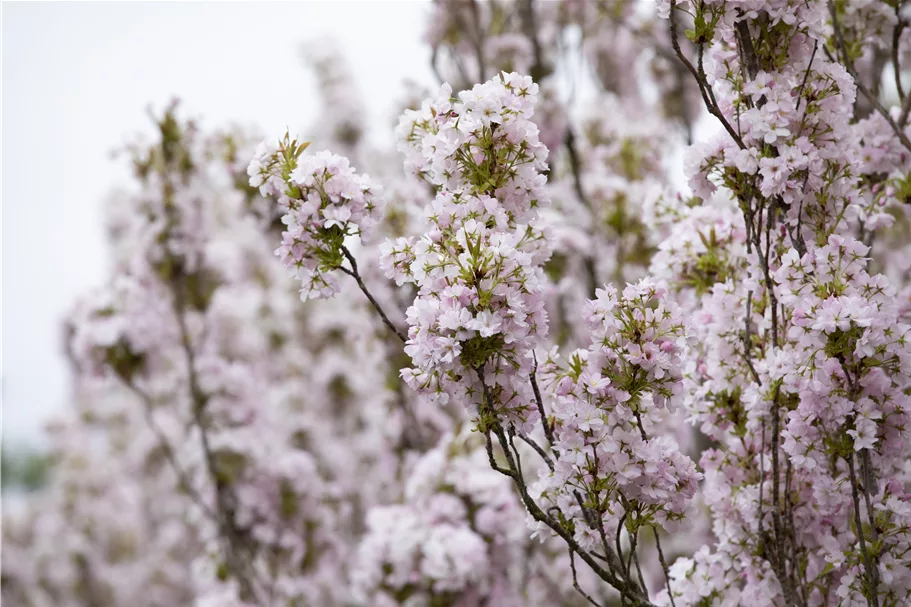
492 460
761 516
806 76
704 87
169 452
360 283
869 485
575 166
538 449
664 566
896 59
512 433
512 471
548 430
778 562
617 542
635 554
572 565
747 340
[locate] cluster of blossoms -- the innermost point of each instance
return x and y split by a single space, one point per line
479 310
705 246
484 142
456 538
609 474
325 201
801 371
850 352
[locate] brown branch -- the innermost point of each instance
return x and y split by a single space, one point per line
538 449
360 283
761 516
869 568
575 166
708 96
635 553
806 76
617 545
896 60
747 340
572 566
749 52
548 430
664 566
630 592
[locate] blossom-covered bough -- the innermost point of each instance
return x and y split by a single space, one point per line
809 403
482 399
479 311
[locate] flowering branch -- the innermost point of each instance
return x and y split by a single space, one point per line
628 590
360 283
704 87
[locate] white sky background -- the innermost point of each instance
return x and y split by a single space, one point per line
77 79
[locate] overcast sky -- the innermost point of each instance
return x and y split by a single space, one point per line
77 79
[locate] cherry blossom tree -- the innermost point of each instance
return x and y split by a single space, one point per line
623 320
